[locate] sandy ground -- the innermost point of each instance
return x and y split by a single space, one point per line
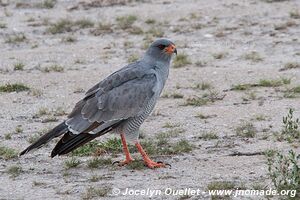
200 29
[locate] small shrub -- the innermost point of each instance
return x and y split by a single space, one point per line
284 171
15 87
206 98
48 4
203 86
7 153
52 68
290 130
253 56
69 39
14 170
295 14
72 163
95 193
241 87
247 130
290 65
136 30
7 136
155 32
133 58
102 28
219 55
61 26
84 23
196 101
136 165
126 22
209 136
273 82
150 21
98 162
3 25
19 66
16 38
181 60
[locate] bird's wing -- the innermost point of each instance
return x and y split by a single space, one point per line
120 96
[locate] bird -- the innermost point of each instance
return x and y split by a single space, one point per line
119 103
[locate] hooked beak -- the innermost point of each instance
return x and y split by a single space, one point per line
175 51
171 49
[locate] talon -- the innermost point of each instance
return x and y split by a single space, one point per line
116 162
166 164
149 163
153 164
124 162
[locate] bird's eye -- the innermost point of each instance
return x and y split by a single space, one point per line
161 46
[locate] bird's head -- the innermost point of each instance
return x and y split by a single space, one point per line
162 49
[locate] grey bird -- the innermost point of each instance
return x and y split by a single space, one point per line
120 103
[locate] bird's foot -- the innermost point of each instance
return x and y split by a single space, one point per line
124 162
151 164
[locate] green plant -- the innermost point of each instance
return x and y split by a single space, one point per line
181 60
295 14
290 65
7 136
72 163
7 153
69 39
173 95
136 165
196 101
52 68
48 4
292 92
83 23
61 26
150 21
16 38
219 55
14 170
2 25
97 162
206 98
33 138
253 56
112 145
127 21
284 171
241 87
155 32
15 87
290 130
133 58
19 66
209 136
95 193
203 86
246 129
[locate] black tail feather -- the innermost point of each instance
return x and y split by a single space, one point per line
55 132
71 142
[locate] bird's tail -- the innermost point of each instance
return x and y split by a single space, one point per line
72 141
55 132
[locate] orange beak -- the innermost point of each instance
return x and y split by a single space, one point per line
171 49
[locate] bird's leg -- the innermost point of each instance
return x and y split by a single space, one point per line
128 157
150 163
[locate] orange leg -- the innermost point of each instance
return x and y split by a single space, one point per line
128 157
147 160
